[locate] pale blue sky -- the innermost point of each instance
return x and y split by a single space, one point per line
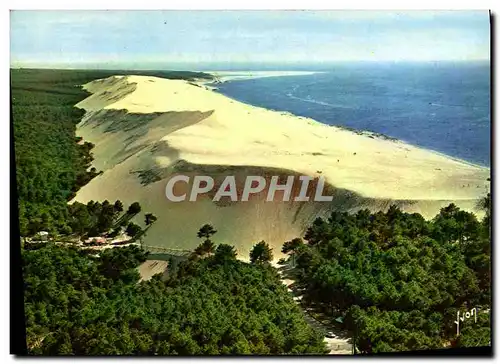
73 38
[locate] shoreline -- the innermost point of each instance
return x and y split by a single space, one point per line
229 76
280 139
249 75
245 121
361 132
292 118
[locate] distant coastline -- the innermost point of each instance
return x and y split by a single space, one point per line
225 76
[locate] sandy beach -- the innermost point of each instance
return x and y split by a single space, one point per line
146 129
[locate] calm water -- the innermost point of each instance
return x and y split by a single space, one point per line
442 107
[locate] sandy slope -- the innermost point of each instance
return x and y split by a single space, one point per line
152 267
146 129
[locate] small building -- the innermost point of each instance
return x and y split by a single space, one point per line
42 236
96 240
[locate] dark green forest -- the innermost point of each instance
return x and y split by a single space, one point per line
80 304
397 280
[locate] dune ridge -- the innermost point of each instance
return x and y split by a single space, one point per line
147 129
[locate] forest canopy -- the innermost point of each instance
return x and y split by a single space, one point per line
396 279
81 304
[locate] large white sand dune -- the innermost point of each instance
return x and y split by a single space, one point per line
146 129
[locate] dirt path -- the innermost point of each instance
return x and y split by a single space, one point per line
337 345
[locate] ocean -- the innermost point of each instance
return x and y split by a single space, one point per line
439 106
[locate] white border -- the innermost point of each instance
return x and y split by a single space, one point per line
255 4
187 4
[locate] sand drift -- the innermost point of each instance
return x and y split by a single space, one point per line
147 130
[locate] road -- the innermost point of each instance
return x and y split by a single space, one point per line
337 345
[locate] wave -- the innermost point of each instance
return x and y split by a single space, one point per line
313 101
452 105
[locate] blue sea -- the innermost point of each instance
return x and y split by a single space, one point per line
440 106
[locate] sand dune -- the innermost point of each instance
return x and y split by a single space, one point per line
147 129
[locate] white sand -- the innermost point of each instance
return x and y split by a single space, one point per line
205 128
152 267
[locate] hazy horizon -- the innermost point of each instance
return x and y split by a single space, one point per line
238 67
238 39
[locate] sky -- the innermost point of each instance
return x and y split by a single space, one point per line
139 39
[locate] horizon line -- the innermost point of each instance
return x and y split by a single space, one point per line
146 65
